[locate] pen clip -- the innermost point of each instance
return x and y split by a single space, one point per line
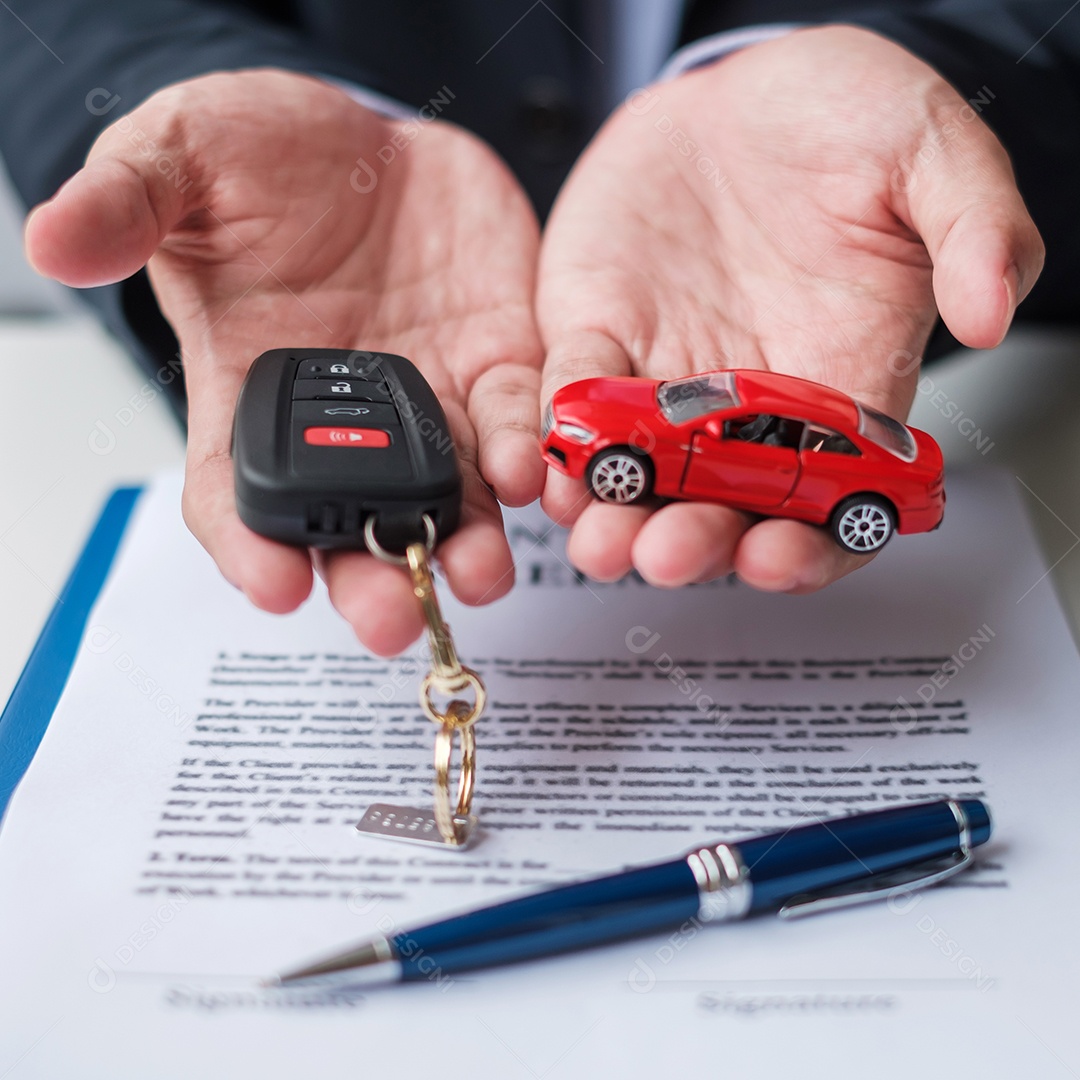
879 886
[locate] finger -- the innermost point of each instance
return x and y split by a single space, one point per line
564 498
781 555
476 559
504 405
275 577
986 250
375 598
110 217
580 354
600 543
686 542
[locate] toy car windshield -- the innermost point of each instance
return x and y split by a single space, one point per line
687 399
888 433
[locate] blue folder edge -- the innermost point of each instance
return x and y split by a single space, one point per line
32 702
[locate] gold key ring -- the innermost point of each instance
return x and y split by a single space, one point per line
454 823
449 678
469 678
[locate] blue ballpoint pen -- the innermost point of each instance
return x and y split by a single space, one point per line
804 869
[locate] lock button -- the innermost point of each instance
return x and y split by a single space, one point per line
361 369
340 389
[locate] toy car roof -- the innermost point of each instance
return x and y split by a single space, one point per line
788 395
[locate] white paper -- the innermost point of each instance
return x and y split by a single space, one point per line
186 827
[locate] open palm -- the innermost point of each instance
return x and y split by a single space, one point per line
277 224
774 211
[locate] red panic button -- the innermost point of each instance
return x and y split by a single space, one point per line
369 438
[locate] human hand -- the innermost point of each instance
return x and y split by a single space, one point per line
262 232
800 206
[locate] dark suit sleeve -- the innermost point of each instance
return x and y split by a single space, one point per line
1018 63
1021 73
69 68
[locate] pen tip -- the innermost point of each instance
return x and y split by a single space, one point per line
371 961
269 981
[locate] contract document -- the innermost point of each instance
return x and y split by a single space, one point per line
187 826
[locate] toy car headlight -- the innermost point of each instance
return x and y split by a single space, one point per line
575 432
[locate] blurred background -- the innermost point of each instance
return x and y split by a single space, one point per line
22 292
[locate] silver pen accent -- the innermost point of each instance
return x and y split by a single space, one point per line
723 882
373 961
890 883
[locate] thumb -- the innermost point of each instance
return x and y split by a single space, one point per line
573 355
581 354
108 219
986 250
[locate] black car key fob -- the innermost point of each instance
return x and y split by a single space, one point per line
326 439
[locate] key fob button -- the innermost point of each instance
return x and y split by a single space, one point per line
345 388
358 438
323 455
347 413
362 368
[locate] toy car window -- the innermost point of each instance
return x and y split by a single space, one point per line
820 440
888 433
687 399
765 430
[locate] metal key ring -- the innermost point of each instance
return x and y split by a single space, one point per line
454 825
466 715
380 552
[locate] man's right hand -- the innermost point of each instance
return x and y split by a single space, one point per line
266 218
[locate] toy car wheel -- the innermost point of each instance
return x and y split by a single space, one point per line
620 476
863 523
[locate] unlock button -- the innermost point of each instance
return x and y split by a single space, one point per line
343 389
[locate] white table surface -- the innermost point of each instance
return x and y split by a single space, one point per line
65 382
61 379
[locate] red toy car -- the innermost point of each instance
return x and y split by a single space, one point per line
770 444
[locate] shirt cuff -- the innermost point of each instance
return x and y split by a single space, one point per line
716 46
387 107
